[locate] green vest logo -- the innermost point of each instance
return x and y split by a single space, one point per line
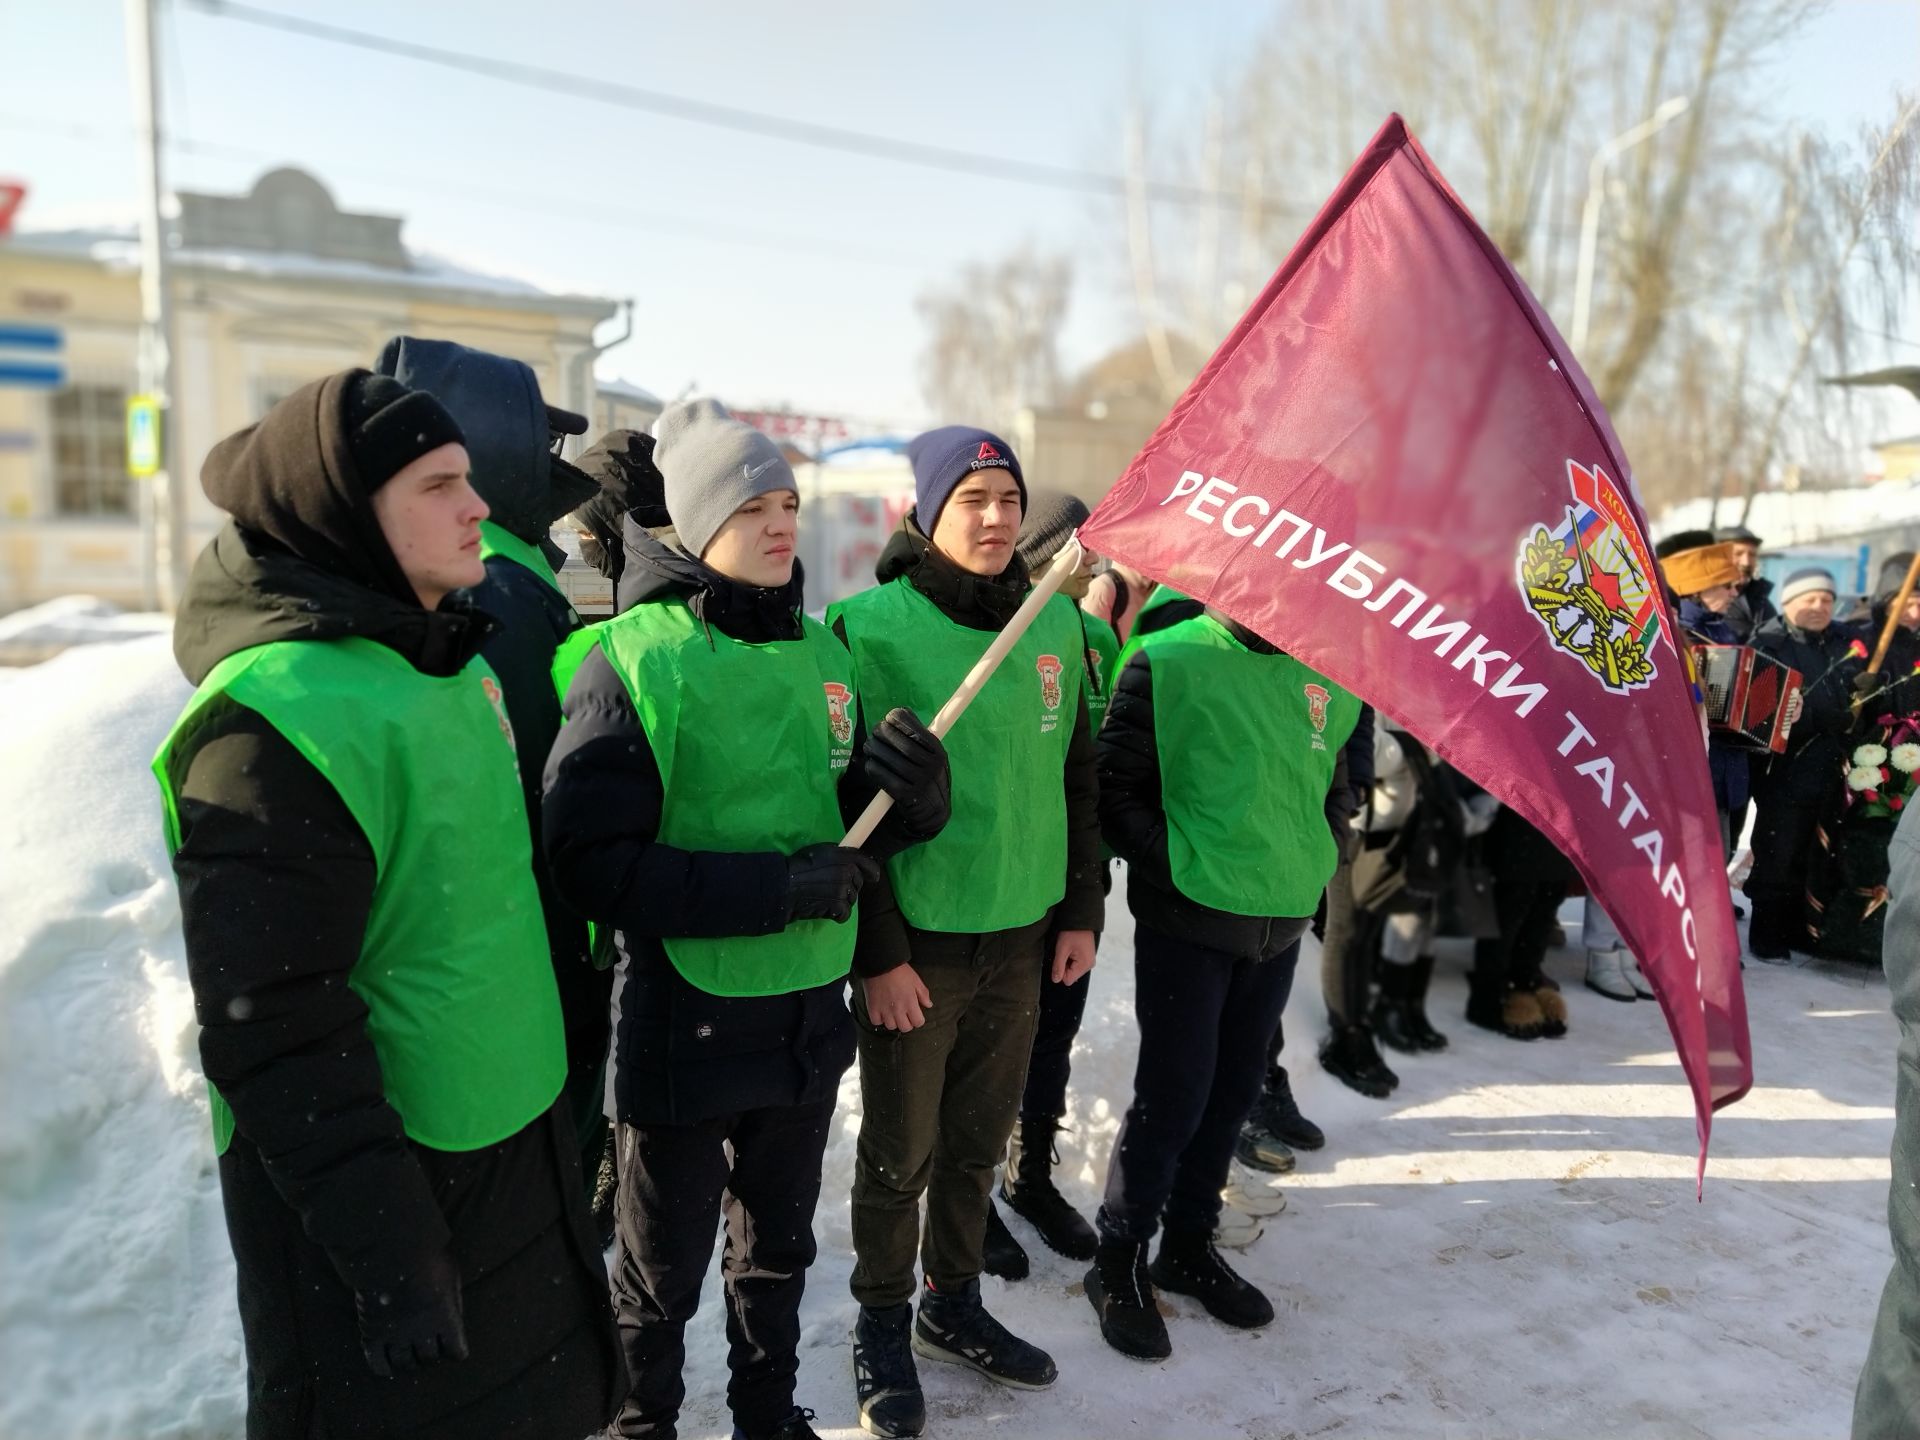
1317 698
838 720
1049 668
499 703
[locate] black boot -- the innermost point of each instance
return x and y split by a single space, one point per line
954 1327
1188 1264
1259 1148
1027 1187
1400 1014
1000 1254
798 1425
1348 1054
1279 1115
1122 1296
1503 1009
884 1377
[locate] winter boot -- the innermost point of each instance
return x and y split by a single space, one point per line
1188 1264
1122 1296
955 1328
884 1378
796 1426
1348 1054
1258 1148
1607 975
1400 1014
1001 1255
1252 1194
1028 1188
1553 1011
1279 1114
1509 1012
1638 980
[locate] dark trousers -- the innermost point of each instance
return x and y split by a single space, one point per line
1206 1020
938 1105
674 1181
1062 1007
1348 937
1527 910
1783 844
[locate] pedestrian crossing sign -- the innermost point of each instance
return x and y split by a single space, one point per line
143 436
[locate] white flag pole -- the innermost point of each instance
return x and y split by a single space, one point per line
1064 564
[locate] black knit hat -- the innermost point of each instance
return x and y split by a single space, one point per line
389 427
1682 540
1893 574
1052 516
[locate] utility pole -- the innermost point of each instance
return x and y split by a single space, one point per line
162 515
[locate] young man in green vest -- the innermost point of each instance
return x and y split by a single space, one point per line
380 1025
512 435
712 756
1216 761
952 949
1027 1184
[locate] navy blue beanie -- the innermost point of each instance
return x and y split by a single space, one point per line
943 458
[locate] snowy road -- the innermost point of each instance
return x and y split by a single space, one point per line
1509 1247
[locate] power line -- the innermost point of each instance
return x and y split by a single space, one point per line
727 117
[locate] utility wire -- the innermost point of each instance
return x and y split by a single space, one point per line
727 117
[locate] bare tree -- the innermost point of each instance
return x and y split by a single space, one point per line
992 337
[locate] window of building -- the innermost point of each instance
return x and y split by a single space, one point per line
90 451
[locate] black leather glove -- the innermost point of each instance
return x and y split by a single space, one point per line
823 881
1869 683
906 759
416 1321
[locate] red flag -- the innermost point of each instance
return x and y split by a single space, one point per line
1394 469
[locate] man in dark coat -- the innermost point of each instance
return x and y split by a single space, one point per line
388 1286
510 434
1753 604
1791 791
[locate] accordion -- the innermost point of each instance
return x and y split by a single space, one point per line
1746 694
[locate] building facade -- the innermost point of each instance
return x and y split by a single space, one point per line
270 290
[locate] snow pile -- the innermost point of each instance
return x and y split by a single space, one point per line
116 1284
41 631
1508 1247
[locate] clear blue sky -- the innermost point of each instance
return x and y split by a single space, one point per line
763 271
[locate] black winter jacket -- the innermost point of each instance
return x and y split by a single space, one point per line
987 604
682 1055
1818 745
1133 818
325 1195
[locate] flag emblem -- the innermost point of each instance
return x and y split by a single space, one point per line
1590 581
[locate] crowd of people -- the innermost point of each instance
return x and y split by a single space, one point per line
500 924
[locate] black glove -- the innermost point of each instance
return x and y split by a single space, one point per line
824 880
415 1321
1869 683
906 759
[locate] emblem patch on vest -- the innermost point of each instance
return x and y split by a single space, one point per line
839 723
491 688
1317 698
1049 668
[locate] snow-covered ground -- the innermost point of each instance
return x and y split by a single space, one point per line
1508 1247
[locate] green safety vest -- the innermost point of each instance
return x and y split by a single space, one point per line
751 741
1247 745
497 540
1103 649
1001 861
462 1008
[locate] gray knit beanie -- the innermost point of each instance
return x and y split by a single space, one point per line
713 464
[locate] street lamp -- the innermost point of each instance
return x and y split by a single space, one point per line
1670 109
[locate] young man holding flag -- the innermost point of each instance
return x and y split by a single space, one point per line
1216 761
950 963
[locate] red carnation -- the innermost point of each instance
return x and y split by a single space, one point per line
1896 803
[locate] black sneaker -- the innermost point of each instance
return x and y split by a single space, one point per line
1122 1296
1190 1265
1258 1148
955 1328
1029 1191
797 1426
1000 1254
1279 1114
884 1377
1348 1054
